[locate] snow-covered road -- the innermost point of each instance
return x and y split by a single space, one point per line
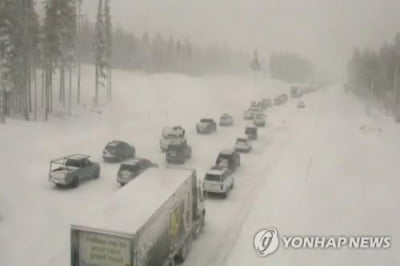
311 171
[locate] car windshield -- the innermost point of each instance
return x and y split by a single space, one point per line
223 162
241 141
129 167
111 147
213 177
205 121
73 163
172 152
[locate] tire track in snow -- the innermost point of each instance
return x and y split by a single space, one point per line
219 251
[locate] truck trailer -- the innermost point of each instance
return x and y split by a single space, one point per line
149 222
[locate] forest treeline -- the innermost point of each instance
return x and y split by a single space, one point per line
40 57
374 74
156 52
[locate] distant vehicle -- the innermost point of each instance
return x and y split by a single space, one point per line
301 104
151 221
254 104
172 136
228 158
278 100
251 133
248 115
259 120
295 92
132 168
218 180
266 102
206 126
243 144
178 154
70 171
251 112
283 97
226 120
118 151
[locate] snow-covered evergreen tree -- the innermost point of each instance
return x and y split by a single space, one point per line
100 50
108 47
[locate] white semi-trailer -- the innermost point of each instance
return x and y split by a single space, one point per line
149 222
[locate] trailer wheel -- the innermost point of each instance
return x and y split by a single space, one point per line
184 251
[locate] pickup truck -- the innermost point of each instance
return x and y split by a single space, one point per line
71 170
206 126
149 222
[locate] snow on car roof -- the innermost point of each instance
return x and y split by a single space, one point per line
134 204
216 171
133 161
113 143
227 151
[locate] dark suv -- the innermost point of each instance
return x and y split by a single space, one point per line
118 151
133 168
228 158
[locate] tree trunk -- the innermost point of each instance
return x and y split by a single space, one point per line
70 91
62 85
96 95
35 91
109 84
43 87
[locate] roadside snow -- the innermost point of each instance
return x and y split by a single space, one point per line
312 171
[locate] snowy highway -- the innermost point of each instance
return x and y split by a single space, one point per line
301 177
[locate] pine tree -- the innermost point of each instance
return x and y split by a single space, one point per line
100 46
108 47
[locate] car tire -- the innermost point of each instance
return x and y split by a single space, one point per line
75 182
96 174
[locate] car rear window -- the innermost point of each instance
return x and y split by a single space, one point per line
73 163
129 167
212 177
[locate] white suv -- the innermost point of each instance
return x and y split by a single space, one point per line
218 180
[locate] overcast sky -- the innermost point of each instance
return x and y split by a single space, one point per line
324 30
